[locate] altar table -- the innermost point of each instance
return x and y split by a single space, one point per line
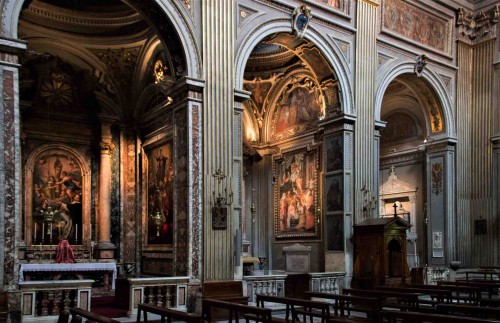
106 267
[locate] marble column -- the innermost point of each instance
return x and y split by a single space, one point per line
10 169
105 248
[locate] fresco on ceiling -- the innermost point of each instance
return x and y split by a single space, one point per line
416 24
160 195
298 109
400 126
296 195
57 199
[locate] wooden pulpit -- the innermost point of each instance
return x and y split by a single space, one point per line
380 253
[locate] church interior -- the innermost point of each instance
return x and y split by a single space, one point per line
173 156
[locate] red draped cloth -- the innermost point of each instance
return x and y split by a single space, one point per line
65 252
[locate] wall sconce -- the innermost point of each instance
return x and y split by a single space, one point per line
222 198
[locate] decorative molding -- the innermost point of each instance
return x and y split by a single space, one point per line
391 160
477 26
300 20
107 147
383 59
420 63
344 47
437 178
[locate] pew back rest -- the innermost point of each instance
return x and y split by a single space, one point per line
345 305
98 318
235 310
167 313
388 298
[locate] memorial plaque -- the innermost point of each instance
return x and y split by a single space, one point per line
297 258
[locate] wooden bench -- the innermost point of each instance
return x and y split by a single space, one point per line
469 310
166 313
235 310
347 306
297 306
398 316
94 317
459 294
432 296
230 291
401 301
4 310
489 287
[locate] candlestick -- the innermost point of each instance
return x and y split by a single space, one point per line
34 240
50 232
43 230
76 233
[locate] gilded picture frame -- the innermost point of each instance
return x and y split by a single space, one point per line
296 194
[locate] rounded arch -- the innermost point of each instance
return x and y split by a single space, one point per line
84 166
331 53
432 79
12 10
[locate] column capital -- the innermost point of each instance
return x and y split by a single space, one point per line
375 3
478 26
107 147
9 51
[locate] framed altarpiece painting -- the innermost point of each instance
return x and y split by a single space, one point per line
57 196
160 193
296 194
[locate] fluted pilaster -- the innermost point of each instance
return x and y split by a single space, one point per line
366 167
475 196
218 71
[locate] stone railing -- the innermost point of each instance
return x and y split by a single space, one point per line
268 282
435 274
44 300
329 282
168 292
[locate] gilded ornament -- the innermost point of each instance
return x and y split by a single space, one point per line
55 91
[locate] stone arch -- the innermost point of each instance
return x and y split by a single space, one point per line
331 53
84 166
12 10
434 82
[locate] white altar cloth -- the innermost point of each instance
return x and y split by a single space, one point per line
82 266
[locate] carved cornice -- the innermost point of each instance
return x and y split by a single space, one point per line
477 26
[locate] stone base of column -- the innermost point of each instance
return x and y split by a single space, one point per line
104 250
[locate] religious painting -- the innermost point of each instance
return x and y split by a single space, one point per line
57 198
160 195
335 232
298 108
296 194
332 3
334 193
334 153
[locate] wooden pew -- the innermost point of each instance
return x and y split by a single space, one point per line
435 296
346 306
166 313
389 299
486 286
250 313
94 317
4 311
468 310
459 294
297 306
398 316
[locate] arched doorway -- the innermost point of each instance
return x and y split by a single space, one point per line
294 172
98 77
411 164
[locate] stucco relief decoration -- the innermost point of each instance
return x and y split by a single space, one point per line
300 20
56 91
414 23
477 24
420 63
437 178
299 107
